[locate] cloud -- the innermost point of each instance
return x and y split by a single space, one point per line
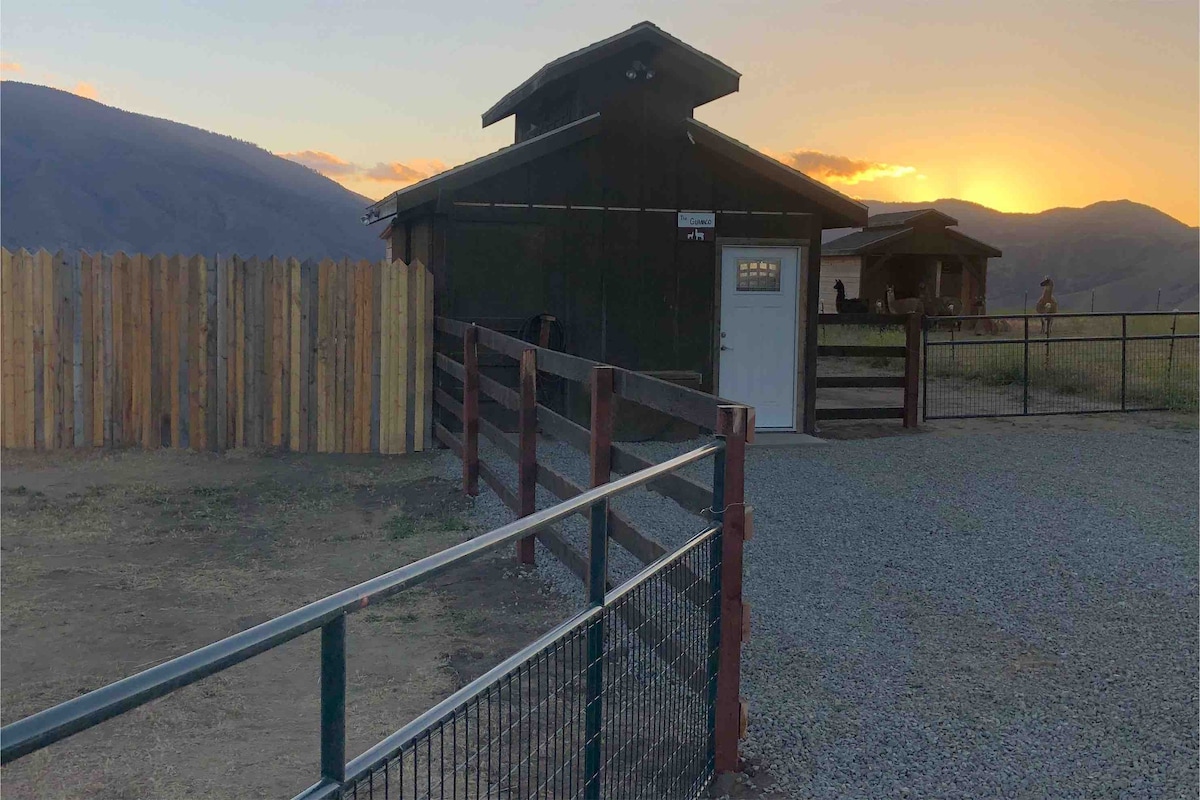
840 169
11 66
399 172
393 172
327 164
85 89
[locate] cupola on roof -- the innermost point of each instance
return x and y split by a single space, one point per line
707 78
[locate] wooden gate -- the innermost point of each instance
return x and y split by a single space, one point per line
909 382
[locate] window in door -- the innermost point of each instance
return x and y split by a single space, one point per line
758 274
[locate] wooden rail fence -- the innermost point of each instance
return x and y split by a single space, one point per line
732 422
910 351
208 354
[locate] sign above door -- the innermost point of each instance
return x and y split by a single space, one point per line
697 227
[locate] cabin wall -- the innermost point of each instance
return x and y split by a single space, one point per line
621 283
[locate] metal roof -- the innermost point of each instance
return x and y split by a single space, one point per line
484 167
897 218
865 241
862 241
724 78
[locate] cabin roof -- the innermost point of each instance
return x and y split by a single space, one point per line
843 211
907 218
714 79
844 207
484 167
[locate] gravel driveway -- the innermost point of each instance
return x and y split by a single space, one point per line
972 613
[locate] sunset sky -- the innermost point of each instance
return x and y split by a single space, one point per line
1017 105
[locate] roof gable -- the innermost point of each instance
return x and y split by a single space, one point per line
712 78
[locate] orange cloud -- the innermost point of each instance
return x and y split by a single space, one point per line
11 66
85 89
840 169
398 172
346 172
327 164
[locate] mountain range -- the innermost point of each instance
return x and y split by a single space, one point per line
1124 252
77 174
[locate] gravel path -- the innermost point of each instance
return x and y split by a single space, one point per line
983 614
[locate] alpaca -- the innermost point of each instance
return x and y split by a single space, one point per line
909 305
947 307
848 306
1047 305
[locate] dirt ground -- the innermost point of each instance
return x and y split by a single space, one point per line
115 562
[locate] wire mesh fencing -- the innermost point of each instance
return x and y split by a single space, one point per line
619 702
1068 364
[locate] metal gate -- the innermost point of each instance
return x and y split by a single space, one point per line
1029 364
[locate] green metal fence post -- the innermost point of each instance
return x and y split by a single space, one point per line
597 570
1025 386
333 700
714 603
1124 342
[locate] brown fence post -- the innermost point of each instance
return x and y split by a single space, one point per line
602 425
732 426
912 369
527 436
470 461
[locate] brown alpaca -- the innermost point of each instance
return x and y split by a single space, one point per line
1047 305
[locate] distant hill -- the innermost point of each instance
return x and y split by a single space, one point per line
1124 251
78 174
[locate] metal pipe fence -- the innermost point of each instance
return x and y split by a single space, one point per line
596 708
619 701
1029 364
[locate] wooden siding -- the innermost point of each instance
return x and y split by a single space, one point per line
208 354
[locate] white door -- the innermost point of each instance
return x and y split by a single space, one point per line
759 296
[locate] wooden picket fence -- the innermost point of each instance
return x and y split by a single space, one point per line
208 354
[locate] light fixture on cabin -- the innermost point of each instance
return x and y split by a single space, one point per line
638 68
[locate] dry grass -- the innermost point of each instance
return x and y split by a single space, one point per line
1159 373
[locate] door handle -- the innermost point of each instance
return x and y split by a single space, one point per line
723 347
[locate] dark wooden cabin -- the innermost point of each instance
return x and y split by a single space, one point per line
918 252
614 211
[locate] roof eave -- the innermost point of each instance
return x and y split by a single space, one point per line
988 250
849 213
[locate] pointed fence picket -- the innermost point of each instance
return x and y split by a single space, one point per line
133 350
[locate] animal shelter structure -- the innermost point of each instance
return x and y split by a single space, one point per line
918 252
656 243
